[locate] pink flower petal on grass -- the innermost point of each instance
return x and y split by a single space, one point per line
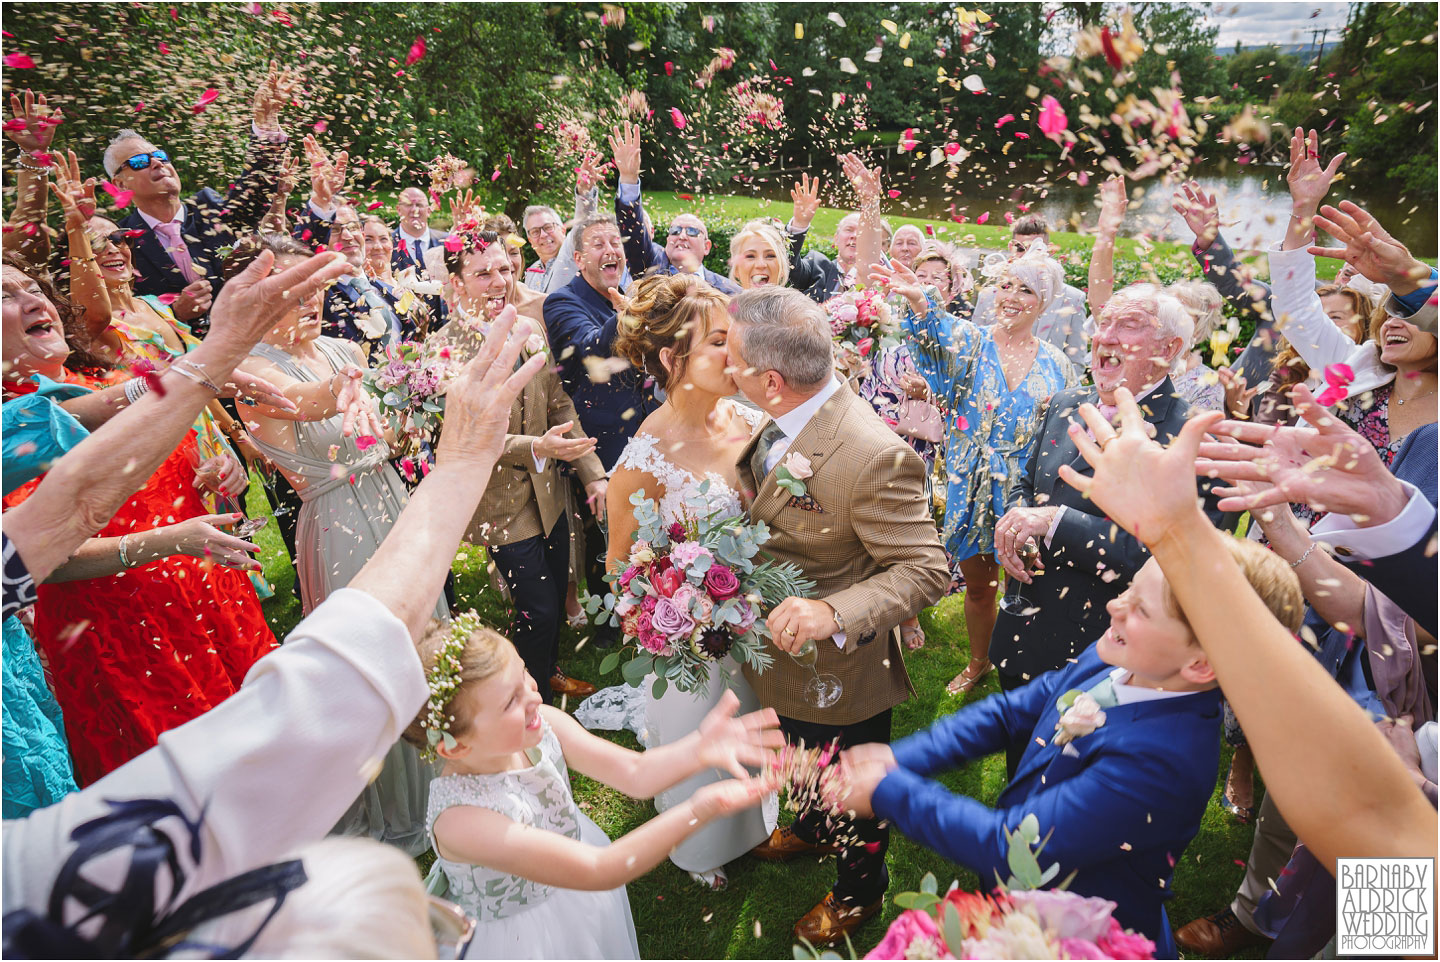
1004 120
18 61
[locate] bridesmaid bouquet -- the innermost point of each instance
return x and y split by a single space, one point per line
409 387
690 593
1018 921
860 318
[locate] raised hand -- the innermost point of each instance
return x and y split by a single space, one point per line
354 404
625 152
554 444
900 280
1113 203
77 197
477 403
1329 466
806 197
32 122
1238 394
590 173
1309 181
732 743
194 300
463 207
274 91
253 301
288 174
327 174
1201 213
1146 489
1369 248
865 180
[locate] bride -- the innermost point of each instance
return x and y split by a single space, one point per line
674 328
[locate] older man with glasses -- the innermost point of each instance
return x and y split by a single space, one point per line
555 266
180 250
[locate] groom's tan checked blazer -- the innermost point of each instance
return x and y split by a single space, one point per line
519 501
872 550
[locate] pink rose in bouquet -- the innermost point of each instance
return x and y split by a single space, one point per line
689 598
628 575
721 583
913 935
747 617
671 620
686 553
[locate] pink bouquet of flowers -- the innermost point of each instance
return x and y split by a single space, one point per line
691 593
860 320
409 387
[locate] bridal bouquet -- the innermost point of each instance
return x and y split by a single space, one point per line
690 593
409 387
860 320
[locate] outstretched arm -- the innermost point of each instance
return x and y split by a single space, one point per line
1102 258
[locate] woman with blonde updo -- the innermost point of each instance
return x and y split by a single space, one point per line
758 256
675 327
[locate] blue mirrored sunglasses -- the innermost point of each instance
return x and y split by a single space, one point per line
141 161
689 231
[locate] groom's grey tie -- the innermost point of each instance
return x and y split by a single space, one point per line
768 437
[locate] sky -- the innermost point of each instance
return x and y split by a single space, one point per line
1280 23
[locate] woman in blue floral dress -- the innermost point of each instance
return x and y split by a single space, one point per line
994 383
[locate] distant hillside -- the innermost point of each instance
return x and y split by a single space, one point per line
1298 49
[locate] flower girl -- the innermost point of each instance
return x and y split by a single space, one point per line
512 847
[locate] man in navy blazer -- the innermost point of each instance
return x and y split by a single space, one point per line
181 248
1118 776
688 241
581 321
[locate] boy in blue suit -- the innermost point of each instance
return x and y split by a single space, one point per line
1123 782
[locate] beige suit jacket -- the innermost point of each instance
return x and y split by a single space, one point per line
521 502
871 548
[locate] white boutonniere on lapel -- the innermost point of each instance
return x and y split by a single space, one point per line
791 473
1080 714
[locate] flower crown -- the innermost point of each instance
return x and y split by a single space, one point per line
444 679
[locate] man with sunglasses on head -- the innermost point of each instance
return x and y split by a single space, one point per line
180 249
687 242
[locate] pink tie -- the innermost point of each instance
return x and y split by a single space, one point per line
179 253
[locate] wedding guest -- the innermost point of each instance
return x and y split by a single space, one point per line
937 266
687 242
301 735
1086 560
527 302
180 251
1197 384
522 519
906 244
758 256
1063 322
413 235
412 311
1120 753
31 128
554 246
354 309
143 658
996 381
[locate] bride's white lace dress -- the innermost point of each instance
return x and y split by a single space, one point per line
676 713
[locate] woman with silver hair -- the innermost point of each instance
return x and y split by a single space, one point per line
994 383
1198 384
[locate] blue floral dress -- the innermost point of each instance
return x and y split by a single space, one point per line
37 768
990 428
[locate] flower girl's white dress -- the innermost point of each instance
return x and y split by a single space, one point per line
517 918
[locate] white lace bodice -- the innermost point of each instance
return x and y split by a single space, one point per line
645 453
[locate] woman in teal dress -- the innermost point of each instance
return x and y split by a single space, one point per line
994 383
37 769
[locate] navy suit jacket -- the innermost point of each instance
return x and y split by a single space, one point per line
581 323
1122 801
642 253
1091 559
813 274
212 223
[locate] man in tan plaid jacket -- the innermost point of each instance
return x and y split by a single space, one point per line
853 515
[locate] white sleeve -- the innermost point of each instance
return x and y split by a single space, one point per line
1354 543
267 771
1301 318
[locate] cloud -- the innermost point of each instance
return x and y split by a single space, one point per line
1279 23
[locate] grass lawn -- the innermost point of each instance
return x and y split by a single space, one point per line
752 918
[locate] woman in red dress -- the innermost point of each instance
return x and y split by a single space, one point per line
138 652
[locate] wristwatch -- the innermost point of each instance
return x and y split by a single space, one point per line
839 622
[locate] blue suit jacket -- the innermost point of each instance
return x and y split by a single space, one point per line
581 323
1123 801
642 253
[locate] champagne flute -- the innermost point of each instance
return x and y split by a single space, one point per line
822 691
1017 604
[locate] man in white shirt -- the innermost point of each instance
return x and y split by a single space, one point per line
414 236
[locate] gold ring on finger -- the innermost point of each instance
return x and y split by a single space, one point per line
1107 441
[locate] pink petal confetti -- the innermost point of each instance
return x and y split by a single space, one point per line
983 218
167 299
669 68
1052 118
15 123
1008 118
321 126
206 99
140 106
961 424
164 49
365 441
453 243
121 197
907 140
417 52
18 61
677 118
378 203
495 176
1338 377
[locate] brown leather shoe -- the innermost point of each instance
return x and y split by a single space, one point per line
1218 934
563 684
783 845
832 920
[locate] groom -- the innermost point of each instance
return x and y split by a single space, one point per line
854 517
